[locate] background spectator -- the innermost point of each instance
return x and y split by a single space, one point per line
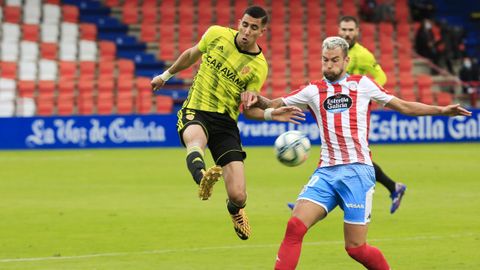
469 74
421 9
425 41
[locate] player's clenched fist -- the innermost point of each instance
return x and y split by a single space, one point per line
157 83
160 80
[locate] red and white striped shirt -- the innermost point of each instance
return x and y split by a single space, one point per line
342 112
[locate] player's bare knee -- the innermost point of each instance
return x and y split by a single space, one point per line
238 198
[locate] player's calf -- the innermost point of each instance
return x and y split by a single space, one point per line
371 257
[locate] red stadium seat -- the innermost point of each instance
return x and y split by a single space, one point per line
401 12
124 102
385 28
391 84
105 87
30 32
150 12
107 50
167 51
369 44
349 8
125 85
164 104
240 6
67 70
65 105
386 45
368 30
88 69
426 97
405 65
8 70
223 15
167 13
112 3
104 104
45 105
443 98
86 87
46 88
70 13
48 50
130 14
66 88
279 84
85 104
315 70
12 14
106 69
403 30
126 68
277 92
144 103
88 31
148 32
424 81
26 89
387 63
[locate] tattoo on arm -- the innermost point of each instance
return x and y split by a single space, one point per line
262 103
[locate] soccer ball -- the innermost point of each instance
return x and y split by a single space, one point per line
292 148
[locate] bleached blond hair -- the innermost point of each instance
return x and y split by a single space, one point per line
331 43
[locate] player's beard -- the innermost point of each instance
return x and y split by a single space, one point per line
332 76
351 41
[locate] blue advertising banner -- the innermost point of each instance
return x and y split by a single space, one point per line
88 132
160 130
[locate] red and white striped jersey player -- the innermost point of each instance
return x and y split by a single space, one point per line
345 175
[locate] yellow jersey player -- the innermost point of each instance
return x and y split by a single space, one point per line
363 62
232 71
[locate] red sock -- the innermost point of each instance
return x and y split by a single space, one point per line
289 251
371 257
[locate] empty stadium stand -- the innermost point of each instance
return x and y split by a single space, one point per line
97 57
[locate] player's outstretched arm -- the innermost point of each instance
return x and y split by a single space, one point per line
184 61
419 109
290 114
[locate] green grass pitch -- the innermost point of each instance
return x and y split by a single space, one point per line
138 209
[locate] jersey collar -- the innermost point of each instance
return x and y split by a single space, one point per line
246 52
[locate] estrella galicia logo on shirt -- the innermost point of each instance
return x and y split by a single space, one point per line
337 103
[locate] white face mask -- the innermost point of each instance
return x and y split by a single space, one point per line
467 63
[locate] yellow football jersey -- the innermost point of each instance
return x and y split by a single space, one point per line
225 72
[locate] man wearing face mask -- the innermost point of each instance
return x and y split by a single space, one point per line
469 74
425 41
232 71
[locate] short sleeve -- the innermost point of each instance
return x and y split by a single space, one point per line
375 91
206 38
302 97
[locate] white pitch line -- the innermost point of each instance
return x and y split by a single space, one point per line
181 250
